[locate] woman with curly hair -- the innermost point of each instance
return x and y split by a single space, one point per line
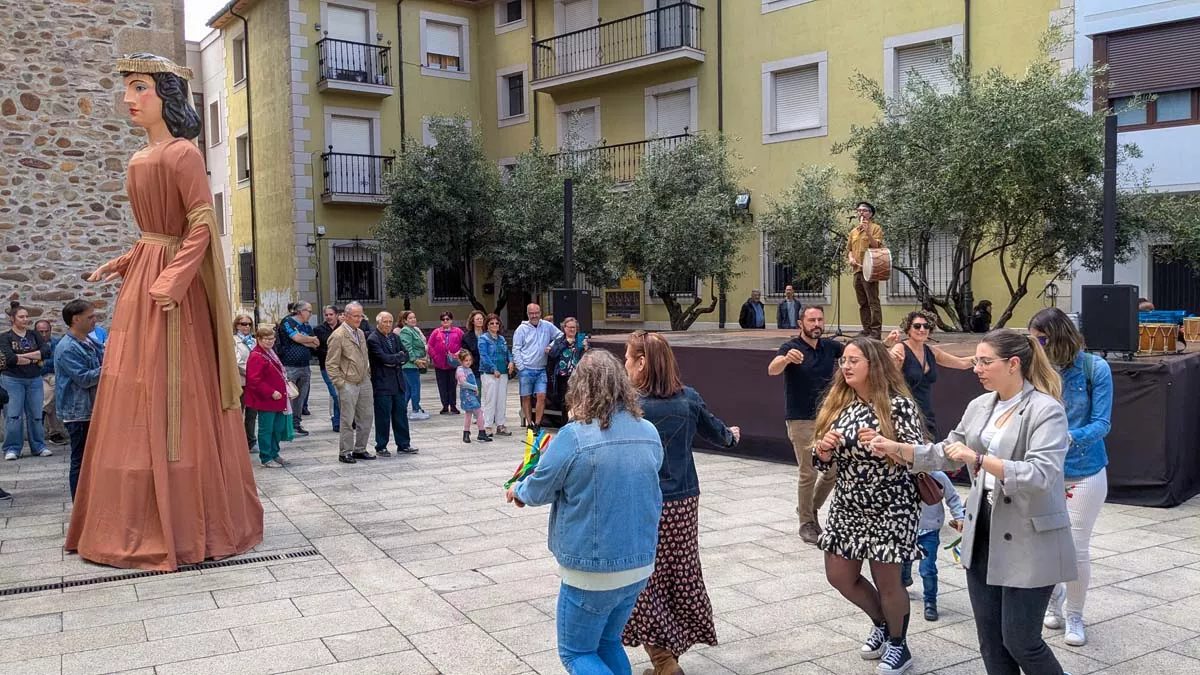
919 361
600 475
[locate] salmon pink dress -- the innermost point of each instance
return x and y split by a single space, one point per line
141 503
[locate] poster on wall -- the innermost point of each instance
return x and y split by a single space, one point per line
622 305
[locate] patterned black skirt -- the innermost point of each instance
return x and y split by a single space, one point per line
673 611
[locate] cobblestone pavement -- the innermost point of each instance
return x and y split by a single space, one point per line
424 569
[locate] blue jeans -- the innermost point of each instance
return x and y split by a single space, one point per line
389 412
929 542
589 629
24 408
78 432
335 403
412 388
531 381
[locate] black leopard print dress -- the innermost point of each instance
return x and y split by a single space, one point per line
876 506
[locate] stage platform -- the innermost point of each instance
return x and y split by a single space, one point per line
1153 448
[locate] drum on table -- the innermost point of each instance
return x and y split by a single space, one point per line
1162 338
1191 328
877 264
1144 338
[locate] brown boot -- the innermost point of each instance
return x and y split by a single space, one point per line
663 661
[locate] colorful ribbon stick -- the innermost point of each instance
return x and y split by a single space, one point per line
534 445
955 550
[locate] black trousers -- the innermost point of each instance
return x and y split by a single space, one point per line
447 386
78 432
1008 620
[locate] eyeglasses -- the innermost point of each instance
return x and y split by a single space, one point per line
920 326
245 323
851 361
983 361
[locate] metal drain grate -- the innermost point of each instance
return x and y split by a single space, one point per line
208 565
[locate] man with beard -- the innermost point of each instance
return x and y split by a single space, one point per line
807 362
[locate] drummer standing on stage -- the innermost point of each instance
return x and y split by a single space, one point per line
867 234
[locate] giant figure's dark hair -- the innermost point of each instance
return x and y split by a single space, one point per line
177 111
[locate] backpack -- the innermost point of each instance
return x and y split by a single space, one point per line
281 338
1089 368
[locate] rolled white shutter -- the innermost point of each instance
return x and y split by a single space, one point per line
674 113
442 38
929 62
347 24
797 99
577 15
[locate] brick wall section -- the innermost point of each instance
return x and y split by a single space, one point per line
66 140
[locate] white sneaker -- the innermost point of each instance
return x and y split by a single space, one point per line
1054 611
44 452
10 456
1075 635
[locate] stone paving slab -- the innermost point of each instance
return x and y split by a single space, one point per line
424 570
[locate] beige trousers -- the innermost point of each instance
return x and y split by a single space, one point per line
358 414
814 486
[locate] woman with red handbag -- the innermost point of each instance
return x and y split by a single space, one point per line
876 504
267 392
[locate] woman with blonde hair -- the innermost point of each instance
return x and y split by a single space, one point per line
1017 539
600 474
673 613
876 506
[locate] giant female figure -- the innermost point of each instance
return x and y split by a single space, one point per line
166 474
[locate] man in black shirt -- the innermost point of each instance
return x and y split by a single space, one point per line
806 363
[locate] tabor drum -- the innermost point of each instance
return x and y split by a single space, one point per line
1143 338
1162 337
877 264
1191 328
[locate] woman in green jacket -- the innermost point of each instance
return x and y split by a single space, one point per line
414 343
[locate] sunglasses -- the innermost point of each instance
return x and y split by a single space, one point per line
244 323
920 326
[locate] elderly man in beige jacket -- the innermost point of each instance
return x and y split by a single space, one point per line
350 371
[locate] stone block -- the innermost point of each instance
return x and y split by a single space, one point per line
466 650
219 619
278 659
366 643
145 654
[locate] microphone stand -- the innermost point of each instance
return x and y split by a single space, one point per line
837 308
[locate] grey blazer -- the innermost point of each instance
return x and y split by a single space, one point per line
1030 543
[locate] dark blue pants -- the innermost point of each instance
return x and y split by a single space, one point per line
929 542
77 431
389 412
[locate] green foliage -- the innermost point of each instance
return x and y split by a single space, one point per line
803 227
440 209
678 223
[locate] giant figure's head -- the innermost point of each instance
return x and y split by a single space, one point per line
156 90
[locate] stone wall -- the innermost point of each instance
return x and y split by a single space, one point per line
66 140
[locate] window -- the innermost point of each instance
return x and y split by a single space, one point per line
427 135
214 123
445 42
444 284
924 55
357 273
671 109
678 288
510 95
1168 109
219 212
776 5
939 268
795 98
507 166
246 276
198 106
510 15
239 59
579 125
243 158
777 277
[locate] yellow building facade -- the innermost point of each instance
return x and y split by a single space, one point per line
320 94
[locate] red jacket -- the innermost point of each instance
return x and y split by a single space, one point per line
263 378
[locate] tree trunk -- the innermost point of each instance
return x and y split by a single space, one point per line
1014 299
682 319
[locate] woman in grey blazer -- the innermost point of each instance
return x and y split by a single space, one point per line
1017 540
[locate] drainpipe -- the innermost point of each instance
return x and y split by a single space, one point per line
250 154
400 68
533 63
722 307
967 34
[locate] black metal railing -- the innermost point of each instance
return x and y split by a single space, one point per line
623 160
659 30
939 268
349 174
346 61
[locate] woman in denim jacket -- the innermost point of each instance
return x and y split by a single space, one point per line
673 613
495 364
600 475
1087 396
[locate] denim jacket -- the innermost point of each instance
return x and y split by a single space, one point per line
77 376
493 354
602 486
1088 418
679 420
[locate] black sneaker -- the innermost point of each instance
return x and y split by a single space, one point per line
483 436
466 437
347 459
873 648
931 613
306 413
383 453
300 431
362 455
4 496
896 658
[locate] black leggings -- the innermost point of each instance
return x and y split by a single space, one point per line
446 385
887 600
1008 620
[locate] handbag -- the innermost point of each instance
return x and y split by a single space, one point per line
451 359
929 489
292 390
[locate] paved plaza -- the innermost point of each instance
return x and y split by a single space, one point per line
423 568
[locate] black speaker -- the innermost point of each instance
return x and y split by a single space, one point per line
1110 317
576 302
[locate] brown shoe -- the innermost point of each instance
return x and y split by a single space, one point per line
810 533
664 662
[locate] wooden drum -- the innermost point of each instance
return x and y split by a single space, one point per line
1162 337
877 264
1144 338
1191 328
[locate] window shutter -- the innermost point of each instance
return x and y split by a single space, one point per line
351 135
929 62
797 99
577 15
581 128
442 38
347 24
1151 60
674 113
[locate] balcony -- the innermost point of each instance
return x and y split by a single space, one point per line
623 160
354 67
354 179
651 40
